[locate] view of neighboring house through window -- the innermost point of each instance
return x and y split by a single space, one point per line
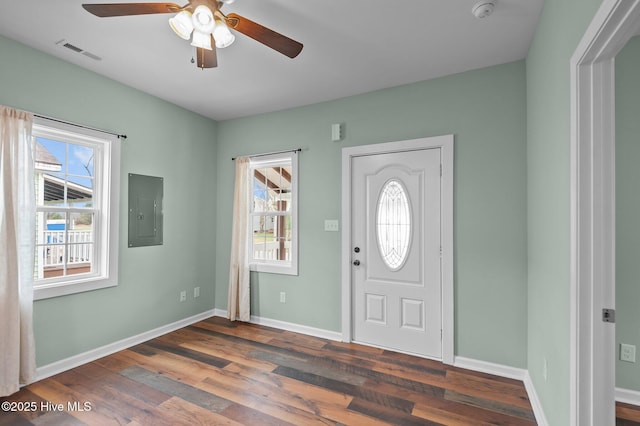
66 213
273 216
74 202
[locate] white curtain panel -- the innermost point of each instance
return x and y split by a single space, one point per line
17 228
238 306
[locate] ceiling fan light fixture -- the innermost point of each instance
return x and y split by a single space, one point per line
182 25
205 15
222 35
202 40
203 19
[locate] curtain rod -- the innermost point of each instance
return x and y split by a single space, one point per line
80 125
269 153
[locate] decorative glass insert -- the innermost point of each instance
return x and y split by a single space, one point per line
393 224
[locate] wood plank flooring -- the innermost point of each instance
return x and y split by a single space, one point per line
216 372
627 414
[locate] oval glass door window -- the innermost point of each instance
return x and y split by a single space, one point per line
393 224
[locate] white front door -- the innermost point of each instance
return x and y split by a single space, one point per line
396 251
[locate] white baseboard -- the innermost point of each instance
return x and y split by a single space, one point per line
219 313
510 373
628 396
93 354
490 368
288 326
541 419
302 329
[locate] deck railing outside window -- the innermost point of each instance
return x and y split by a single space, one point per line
269 251
79 247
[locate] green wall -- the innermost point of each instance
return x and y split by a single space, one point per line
163 140
561 26
485 110
628 211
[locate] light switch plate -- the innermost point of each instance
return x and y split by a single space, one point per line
331 225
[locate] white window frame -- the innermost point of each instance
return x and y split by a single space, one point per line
277 266
106 200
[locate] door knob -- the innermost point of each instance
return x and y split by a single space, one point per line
356 262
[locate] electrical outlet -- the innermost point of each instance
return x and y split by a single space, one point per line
627 353
196 292
283 297
183 296
331 225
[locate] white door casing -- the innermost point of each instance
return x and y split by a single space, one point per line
401 296
592 287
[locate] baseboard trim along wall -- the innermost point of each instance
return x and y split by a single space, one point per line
510 373
302 329
288 326
628 396
93 354
490 368
536 405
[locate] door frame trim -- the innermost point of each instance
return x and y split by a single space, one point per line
445 143
592 156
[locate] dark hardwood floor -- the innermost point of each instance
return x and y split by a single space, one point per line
220 373
627 415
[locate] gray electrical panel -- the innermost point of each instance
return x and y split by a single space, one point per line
145 210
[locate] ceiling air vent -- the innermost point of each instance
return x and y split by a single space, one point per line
72 47
66 44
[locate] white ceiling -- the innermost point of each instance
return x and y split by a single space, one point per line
350 47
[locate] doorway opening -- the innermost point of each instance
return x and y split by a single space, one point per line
592 289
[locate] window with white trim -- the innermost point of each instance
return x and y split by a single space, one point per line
77 198
273 220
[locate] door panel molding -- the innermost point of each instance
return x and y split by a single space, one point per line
445 143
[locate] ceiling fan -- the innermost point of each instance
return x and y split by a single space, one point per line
205 24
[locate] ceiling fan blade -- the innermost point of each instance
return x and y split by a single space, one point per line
104 10
206 58
264 35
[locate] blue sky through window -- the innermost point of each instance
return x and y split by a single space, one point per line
259 190
77 164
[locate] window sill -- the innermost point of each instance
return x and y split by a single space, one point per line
56 289
274 269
